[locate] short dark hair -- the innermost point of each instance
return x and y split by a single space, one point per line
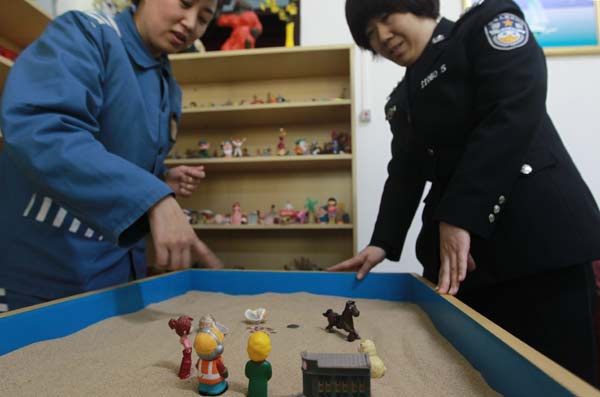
220 4
360 12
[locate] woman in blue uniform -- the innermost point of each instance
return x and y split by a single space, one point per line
89 112
508 218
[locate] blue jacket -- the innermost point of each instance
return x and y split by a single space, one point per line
88 116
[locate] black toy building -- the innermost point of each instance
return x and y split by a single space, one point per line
336 375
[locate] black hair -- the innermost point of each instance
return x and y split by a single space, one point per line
360 12
220 4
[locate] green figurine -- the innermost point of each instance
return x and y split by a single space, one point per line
258 369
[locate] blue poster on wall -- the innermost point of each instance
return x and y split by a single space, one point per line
559 23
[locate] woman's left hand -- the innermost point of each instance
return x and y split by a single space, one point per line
455 259
184 180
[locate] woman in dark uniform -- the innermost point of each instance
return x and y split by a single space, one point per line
508 218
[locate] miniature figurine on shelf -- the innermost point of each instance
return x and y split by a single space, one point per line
345 142
301 147
335 146
271 98
280 99
288 213
258 370
331 210
253 217
227 148
256 100
236 215
183 327
310 206
315 148
203 148
212 373
342 216
302 217
377 366
237 147
343 321
281 150
272 217
206 217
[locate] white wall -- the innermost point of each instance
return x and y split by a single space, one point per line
573 103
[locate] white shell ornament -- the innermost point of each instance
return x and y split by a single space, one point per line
255 316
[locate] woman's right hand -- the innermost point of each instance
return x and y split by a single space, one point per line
176 245
366 259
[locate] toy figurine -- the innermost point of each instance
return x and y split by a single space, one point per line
203 148
211 370
377 366
281 150
331 210
246 27
315 148
281 99
236 216
271 98
272 217
258 369
256 100
183 327
335 147
301 147
237 147
310 207
343 321
253 217
227 148
287 214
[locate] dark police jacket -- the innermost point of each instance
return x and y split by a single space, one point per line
470 116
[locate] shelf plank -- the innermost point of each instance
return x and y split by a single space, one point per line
22 21
319 162
5 65
311 227
267 114
261 64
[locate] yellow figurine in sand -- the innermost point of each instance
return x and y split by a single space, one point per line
211 370
258 370
377 367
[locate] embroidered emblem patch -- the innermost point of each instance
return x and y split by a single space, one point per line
507 32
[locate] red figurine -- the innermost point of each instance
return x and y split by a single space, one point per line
245 24
183 327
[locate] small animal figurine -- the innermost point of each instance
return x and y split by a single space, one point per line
343 321
301 147
258 369
377 367
183 327
211 370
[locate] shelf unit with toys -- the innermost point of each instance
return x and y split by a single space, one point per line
256 94
21 22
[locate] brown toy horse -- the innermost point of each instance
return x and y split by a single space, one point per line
343 321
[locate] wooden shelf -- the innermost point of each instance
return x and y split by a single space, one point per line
21 22
260 64
319 162
5 65
267 114
311 227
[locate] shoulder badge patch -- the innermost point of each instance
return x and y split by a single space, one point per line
507 32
